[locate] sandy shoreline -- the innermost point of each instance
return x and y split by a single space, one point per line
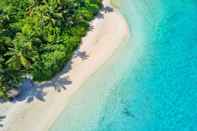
108 31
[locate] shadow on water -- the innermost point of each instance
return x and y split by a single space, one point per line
128 113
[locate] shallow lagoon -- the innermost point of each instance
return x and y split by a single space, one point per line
150 83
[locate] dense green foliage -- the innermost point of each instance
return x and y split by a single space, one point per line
37 37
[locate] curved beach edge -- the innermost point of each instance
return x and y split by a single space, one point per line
109 30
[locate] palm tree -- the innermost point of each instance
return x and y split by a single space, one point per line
18 54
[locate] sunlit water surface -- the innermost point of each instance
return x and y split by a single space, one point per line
150 83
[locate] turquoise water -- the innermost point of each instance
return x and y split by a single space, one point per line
150 83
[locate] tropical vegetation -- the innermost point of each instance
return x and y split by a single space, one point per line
37 37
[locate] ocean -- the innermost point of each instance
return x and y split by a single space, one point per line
150 82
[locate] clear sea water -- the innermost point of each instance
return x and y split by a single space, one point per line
150 83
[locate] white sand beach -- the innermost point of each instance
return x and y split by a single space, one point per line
107 33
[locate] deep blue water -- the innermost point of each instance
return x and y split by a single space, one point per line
151 83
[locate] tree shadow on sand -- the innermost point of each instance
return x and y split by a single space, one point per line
31 91
104 10
81 54
107 9
1 119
